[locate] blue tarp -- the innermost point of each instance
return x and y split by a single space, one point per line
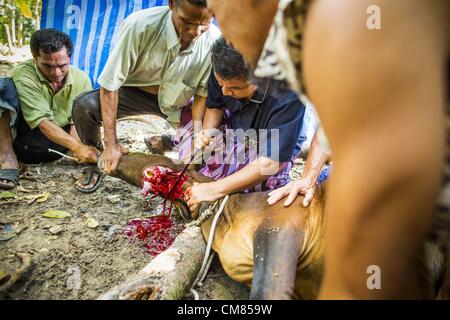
92 26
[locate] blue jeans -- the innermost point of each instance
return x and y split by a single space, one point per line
9 102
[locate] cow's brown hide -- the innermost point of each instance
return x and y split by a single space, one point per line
278 251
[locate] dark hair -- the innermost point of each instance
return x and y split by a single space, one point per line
49 41
197 3
226 61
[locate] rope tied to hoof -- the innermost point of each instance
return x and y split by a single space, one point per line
207 259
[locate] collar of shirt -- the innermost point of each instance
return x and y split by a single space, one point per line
260 94
254 103
172 36
68 79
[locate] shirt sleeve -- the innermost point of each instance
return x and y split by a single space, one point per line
284 128
87 84
202 88
215 96
34 106
121 59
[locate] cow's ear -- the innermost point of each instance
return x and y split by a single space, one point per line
184 210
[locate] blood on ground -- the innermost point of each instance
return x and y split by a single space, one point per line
159 232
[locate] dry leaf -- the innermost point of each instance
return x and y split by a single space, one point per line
7 195
39 197
91 223
43 198
56 214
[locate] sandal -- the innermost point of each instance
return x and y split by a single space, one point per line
88 173
10 175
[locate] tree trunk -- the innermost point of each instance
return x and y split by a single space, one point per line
169 275
13 23
20 30
37 15
8 34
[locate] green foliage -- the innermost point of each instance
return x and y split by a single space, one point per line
24 7
28 10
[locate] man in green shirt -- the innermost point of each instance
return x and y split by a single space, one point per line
46 87
161 60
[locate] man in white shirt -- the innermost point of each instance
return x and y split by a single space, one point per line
161 60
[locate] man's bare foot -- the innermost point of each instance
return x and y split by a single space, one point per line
89 181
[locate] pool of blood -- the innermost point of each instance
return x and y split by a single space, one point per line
159 232
156 234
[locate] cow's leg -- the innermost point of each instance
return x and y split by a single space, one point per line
132 165
275 253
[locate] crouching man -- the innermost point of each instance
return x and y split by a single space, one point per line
275 117
46 88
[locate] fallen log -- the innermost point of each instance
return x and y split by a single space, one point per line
169 275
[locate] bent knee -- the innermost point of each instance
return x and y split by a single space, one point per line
237 260
86 103
239 270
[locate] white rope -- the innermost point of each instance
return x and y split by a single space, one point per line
62 154
207 259
206 269
205 215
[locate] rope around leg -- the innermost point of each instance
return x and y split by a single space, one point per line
208 257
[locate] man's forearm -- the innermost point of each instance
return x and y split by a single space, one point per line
56 134
315 161
249 176
212 119
198 108
108 106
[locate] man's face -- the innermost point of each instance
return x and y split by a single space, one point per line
190 21
54 66
238 88
247 33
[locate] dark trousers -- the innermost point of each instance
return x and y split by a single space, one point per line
87 116
31 145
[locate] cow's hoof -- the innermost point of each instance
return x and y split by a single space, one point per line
184 210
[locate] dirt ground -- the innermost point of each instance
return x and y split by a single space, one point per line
86 254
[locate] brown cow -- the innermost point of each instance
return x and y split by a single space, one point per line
278 251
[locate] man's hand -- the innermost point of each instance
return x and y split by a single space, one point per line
113 151
200 192
86 154
199 142
202 139
302 186
306 185
112 155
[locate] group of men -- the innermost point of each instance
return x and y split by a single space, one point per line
193 78
379 94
